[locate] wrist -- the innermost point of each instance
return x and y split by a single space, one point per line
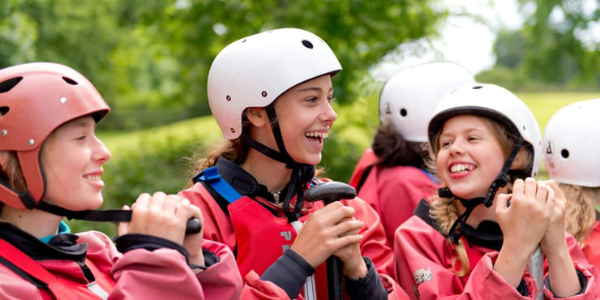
357 269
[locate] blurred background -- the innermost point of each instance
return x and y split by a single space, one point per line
150 59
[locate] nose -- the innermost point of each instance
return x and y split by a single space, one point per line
456 148
101 153
328 115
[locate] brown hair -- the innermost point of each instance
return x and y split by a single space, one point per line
581 212
392 149
445 210
233 150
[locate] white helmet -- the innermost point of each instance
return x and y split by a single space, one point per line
255 70
497 103
410 96
571 142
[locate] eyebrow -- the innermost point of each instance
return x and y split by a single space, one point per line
316 89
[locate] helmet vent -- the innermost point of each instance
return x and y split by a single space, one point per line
70 81
7 85
4 110
477 87
307 44
403 112
564 153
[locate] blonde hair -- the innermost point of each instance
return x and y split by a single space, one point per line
581 212
445 210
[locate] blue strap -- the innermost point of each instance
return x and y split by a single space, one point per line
431 176
212 178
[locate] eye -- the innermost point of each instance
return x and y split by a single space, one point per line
331 99
311 99
445 143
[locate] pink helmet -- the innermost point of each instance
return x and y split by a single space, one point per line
35 99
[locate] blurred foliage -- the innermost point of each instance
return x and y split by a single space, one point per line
150 58
548 53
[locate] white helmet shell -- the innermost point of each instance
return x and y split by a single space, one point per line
571 144
410 96
256 70
497 103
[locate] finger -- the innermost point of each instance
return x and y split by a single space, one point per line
170 203
518 187
541 192
557 190
123 227
347 240
347 227
550 201
156 202
502 202
140 207
530 188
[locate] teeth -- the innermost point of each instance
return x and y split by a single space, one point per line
93 177
315 134
460 168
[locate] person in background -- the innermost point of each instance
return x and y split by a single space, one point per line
570 152
476 238
51 163
271 94
400 175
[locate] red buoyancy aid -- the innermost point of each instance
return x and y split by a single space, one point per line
58 287
263 237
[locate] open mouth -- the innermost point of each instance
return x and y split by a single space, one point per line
316 136
461 168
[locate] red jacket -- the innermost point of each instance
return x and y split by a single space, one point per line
367 159
138 274
394 193
219 227
591 246
423 255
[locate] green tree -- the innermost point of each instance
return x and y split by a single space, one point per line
547 52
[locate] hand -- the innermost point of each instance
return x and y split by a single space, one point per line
554 239
165 216
523 225
526 220
326 231
354 265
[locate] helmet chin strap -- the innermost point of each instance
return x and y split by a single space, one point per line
108 215
456 231
301 173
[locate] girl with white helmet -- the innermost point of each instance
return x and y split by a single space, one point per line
271 95
476 238
50 167
570 150
397 178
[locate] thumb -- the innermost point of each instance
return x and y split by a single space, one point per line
502 202
123 227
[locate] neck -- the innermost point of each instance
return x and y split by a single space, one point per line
36 222
267 171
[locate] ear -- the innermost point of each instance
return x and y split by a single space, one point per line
257 116
520 160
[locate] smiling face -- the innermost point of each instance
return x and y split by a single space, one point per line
305 116
72 159
470 156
